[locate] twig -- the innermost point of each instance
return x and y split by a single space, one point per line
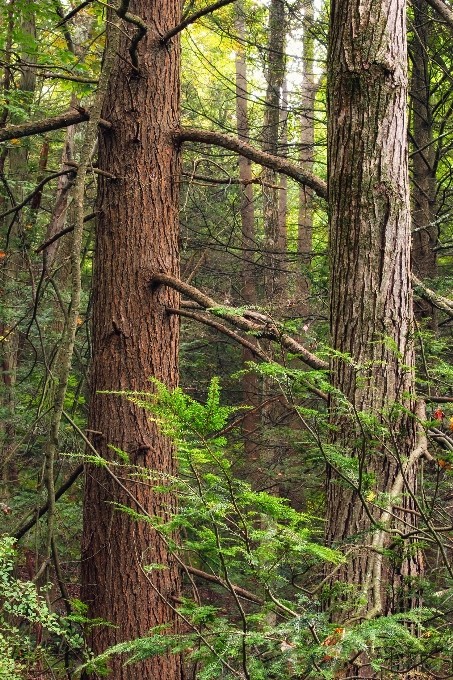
61 233
73 12
21 531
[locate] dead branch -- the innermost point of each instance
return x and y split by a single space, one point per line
192 18
265 330
276 163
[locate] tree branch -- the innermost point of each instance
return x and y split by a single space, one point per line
442 303
242 592
193 17
36 190
443 11
73 12
263 330
36 127
61 233
142 30
276 163
21 531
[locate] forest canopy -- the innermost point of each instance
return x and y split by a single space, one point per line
226 395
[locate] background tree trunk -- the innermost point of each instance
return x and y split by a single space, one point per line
307 141
134 338
248 275
424 206
275 73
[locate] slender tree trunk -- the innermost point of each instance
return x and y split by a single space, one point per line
371 302
249 380
307 141
134 338
283 194
275 73
18 170
424 204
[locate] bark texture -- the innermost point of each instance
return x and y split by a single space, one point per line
371 301
134 338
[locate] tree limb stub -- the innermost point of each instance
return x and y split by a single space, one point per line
192 18
265 330
36 127
276 163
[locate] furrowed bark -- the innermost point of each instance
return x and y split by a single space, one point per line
370 289
134 338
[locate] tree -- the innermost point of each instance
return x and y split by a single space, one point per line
133 335
373 365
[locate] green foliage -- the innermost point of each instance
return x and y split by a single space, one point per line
253 545
22 604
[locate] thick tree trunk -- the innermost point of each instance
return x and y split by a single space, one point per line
134 338
371 301
249 380
424 207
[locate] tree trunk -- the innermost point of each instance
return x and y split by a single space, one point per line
371 302
275 73
134 338
250 379
424 205
307 141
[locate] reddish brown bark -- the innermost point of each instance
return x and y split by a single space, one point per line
134 338
371 301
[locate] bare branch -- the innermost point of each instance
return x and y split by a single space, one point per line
442 303
61 233
443 11
36 127
142 30
193 17
73 12
276 163
264 330
21 531
36 190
